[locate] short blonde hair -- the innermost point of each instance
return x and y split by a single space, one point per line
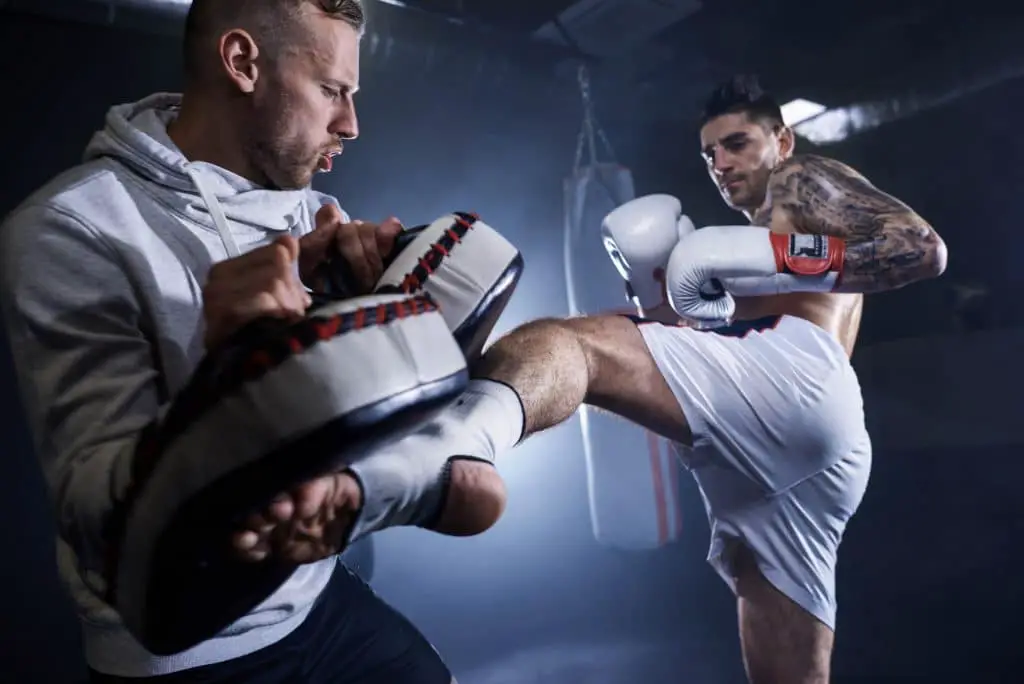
268 20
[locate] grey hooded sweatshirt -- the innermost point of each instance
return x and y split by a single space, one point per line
102 275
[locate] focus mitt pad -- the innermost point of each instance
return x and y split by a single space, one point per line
277 405
462 263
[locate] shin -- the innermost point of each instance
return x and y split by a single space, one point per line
545 363
441 476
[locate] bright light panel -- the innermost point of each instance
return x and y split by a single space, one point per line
800 110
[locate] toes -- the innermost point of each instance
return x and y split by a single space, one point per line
252 538
307 524
251 546
246 541
281 509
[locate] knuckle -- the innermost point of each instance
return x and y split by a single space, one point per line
347 237
328 214
279 290
266 303
279 256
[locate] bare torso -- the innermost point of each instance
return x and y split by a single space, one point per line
837 314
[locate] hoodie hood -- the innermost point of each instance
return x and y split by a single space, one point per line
136 135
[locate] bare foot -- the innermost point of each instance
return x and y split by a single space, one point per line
306 524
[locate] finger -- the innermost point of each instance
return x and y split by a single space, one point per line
291 247
352 251
295 298
290 298
329 215
374 259
276 263
311 498
285 284
263 292
314 245
228 273
281 252
246 282
260 305
387 233
266 285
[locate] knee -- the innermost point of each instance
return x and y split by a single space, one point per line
476 498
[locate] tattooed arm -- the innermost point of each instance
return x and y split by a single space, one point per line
887 244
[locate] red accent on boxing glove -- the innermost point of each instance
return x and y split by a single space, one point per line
808 255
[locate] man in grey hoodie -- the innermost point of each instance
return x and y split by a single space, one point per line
190 216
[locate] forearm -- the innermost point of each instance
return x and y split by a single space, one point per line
887 245
901 252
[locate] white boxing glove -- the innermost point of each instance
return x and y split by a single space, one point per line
639 237
711 265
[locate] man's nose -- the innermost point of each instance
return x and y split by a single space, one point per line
723 164
346 124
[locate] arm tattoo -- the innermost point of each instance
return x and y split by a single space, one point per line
887 244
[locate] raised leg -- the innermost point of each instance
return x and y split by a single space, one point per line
530 380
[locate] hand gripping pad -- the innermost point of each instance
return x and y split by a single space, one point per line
276 406
462 263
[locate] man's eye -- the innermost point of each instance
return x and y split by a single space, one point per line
332 93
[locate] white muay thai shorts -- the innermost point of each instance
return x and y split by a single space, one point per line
780 448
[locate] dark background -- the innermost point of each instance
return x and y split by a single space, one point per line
476 106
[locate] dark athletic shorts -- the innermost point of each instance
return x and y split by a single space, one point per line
350 637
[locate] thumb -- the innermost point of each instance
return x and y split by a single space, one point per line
290 244
391 226
316 242
684 226
327 214
387 232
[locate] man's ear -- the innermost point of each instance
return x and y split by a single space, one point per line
787 142
238 53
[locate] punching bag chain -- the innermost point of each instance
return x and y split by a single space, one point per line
591 131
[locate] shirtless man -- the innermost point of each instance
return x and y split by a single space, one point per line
771 423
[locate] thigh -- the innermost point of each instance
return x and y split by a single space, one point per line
774 405
360 639
782 643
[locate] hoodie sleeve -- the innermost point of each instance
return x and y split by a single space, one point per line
86 371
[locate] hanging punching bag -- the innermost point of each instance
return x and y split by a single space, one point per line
632 475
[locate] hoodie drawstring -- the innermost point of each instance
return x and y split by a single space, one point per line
216 213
